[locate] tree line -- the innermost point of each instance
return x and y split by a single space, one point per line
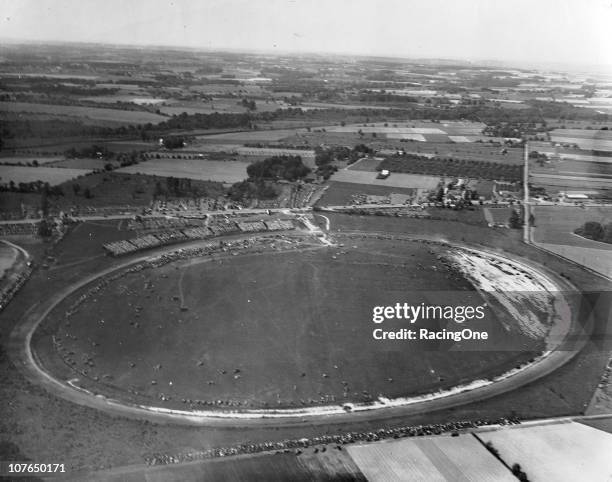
596 231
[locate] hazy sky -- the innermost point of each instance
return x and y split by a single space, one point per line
568 31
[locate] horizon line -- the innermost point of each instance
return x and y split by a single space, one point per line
517 64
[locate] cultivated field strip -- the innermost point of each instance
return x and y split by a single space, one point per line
52 175
94 113
439 458
414 181
585 451
204 170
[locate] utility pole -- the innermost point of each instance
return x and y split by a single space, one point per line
526 237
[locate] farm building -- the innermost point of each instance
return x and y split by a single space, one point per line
574 196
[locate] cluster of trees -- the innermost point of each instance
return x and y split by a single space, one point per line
519 473
101 152
93 151
468 194
76 189
249 104
129 158
515 221
596 231
289 168
74 86
182 187
325 156
244 191
174 142
450 167
32 187
539 157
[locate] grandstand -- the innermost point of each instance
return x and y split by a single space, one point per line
169 235
18 229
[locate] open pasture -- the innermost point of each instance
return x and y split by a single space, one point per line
556 224
130 99
588 139
497 215
469 151
205 170
269 467
439 458
571 167
562 182
92 113
270 135
83 163
554 230
51 175
413 181
341 193
555 451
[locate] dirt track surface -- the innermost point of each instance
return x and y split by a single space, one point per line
25 360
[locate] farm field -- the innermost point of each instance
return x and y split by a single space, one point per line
217 105
554 230
328 105
452 168
438 458
599 260
568 153
414 181
250 136
497 215
470 151
368 164
111 99
84 163
585 450
219 171
228 89
582 133
563 182
587 139
459 132
340 193
556 224
570 167
199 147
311 348
51 175
93 113
107 189
330 465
